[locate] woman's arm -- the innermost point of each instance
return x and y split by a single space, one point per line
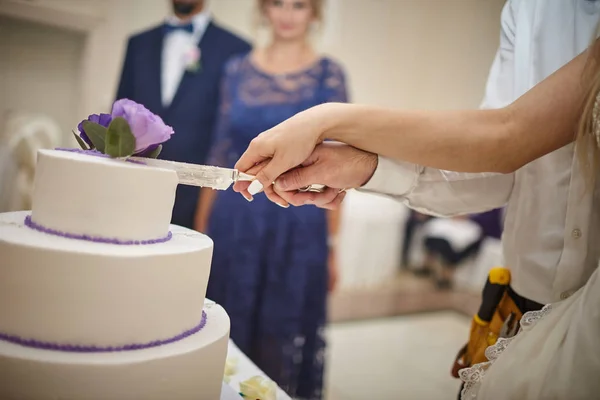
333 223
542 120
203 209
503 140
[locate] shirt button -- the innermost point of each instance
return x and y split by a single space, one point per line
576 233
566 294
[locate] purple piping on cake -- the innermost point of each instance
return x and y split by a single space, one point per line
73 348
33 225
94 153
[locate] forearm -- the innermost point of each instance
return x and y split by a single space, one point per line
454 140
204 208
503 140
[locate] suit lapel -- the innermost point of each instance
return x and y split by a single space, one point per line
189 78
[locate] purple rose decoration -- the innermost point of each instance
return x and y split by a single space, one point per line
102 119
148 128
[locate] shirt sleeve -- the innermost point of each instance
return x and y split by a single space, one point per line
438 192
446 193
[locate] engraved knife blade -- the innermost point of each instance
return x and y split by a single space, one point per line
206 175
197 175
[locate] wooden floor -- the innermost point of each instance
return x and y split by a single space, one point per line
407 294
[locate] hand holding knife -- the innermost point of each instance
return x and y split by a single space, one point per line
205 175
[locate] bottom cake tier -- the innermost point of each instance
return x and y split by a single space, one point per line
191 368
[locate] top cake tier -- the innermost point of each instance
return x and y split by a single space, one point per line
99 197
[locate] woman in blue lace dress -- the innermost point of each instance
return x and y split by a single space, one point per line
272 266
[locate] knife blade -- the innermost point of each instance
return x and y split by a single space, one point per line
196 175
205 175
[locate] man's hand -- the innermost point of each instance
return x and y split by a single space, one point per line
335 165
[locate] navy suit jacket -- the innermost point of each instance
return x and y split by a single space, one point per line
193 111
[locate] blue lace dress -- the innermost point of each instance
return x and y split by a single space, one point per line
269 268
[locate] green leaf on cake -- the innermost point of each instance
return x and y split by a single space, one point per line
120 142
155 153
80 141
96 133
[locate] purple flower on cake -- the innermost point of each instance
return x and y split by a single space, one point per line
131 129
102 119
148 129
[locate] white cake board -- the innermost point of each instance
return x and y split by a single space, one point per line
229 394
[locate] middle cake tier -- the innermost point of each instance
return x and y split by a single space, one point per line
68 292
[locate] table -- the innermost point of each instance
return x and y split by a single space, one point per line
245 369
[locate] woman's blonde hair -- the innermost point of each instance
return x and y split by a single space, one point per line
317 6
588 139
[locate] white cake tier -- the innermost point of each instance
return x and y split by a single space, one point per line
75 292
84 194
189 369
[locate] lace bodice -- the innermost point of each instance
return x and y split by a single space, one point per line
253 101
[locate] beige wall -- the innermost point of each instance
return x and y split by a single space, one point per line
405 53
39 71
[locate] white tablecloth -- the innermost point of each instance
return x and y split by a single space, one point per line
245 369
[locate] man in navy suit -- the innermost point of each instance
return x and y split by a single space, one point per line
175 70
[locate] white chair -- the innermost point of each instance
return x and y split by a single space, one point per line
23 135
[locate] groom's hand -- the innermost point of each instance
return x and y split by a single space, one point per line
335 165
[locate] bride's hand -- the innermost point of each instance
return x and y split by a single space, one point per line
281 149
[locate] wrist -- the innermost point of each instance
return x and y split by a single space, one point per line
328 115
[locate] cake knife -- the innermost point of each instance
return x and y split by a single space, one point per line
206 175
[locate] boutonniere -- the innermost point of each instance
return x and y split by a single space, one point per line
192 59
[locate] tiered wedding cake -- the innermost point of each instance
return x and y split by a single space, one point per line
100 298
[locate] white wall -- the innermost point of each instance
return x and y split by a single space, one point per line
39 70
427 54
403 53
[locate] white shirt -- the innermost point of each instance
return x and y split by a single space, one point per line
551 230
175 46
